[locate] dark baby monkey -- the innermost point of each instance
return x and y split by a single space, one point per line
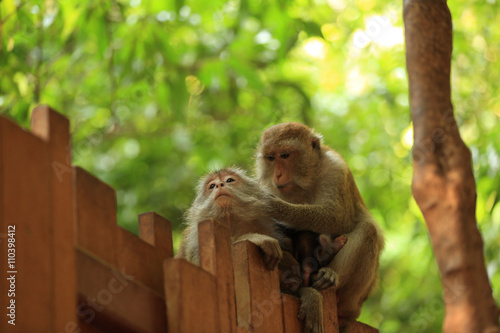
312 251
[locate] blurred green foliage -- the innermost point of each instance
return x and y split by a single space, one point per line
160 92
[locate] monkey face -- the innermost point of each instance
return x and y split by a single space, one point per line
288 168
281 165
288 158
220 188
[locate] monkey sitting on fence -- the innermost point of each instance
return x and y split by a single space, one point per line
230 193
315 190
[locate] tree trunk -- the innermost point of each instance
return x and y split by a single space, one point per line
443 182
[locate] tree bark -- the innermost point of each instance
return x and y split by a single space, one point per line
443 182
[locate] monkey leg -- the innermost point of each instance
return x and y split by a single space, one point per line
289 273
311 310
338 243
356 267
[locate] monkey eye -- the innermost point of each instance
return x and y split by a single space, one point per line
230 180
270 158
212 186
285 155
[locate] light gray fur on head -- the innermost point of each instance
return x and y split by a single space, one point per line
250 200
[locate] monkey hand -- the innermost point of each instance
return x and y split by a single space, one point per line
325 278
311 310
268 245
272 202
272 252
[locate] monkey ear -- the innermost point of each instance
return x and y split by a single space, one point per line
315 143
323 240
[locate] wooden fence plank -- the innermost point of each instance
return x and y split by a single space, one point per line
54 129
258 300
4 299
215 258
87 328
26 205
191 297
157 231
291 322
95 206
330 317
115 301
141 259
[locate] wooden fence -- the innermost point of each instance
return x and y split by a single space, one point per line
68 267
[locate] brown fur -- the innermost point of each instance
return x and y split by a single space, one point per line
315 190
242 202
313 251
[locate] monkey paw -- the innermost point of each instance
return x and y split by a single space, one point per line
311 310
325 278
272 252
268 245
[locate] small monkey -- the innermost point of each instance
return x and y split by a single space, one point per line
315 190
230 193
304 253
311 301
312 251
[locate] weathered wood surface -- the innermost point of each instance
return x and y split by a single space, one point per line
258 300
330 317
291 323
100 240
443 181
191 297
98 233
215 258
53 128
26 205
115 300
96 216
37 199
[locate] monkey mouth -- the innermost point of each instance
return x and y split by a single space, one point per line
222 195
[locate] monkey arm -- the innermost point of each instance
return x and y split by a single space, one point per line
330 218
268 245
183 250
188 249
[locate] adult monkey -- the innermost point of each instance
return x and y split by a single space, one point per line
230 193
315 190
